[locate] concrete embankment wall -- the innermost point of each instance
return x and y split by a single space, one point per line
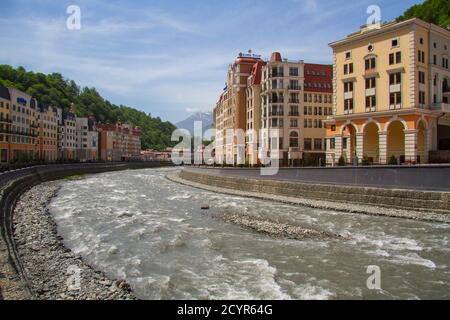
435 201
13 281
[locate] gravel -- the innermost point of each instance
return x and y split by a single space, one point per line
275 229
50 267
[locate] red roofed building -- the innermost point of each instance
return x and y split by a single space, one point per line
230 110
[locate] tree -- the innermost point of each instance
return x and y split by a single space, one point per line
432 11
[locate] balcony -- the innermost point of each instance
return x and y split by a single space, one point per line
276 114
277 75
446 93
294 87
276 100
442 107
294 114
294 101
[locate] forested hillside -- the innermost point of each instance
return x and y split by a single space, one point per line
53 89
433 11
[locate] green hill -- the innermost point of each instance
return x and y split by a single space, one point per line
432 11
53 89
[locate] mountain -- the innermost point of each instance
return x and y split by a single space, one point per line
432 11
54 90
205 117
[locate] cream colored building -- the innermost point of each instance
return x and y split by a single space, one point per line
47 119
390 94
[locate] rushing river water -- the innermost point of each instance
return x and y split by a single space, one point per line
138 226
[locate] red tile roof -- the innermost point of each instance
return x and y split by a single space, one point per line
318 78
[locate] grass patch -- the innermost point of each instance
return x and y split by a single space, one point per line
74 177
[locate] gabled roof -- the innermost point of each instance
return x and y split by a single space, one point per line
4 93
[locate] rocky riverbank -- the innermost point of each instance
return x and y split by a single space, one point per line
51 269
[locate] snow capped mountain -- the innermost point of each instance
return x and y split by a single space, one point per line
205 117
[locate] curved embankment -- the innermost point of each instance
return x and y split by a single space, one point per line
411 204
13 279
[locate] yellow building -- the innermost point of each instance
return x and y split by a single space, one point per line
390 90
23 134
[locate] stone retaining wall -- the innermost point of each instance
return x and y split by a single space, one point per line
418 200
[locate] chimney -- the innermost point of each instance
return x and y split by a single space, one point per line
276 57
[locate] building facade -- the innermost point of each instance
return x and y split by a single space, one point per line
119 142
390 94
317 106
24 128
87 139
67 137
47 120
282 90
253 113
5 125
230 112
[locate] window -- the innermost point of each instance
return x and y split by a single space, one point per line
348 106
394 43
395 100
348 87
371 83
371 103
348 55
422 77
345 68
371 64
421 98
317 144
293 140
308 144
395 78
294 123
350 67
421 40
395 58
293 72
421 56
332 143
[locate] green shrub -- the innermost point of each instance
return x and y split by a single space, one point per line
393 161
365 161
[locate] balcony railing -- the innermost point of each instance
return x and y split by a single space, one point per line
294 101
276 100
277 74
276 113
294 87
294 114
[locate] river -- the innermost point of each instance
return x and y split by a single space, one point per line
141 227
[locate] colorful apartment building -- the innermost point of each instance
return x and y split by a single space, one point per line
86 139
47 121
67 138
391 94
317 106
282 87
230 111
119 142
24 127
5 124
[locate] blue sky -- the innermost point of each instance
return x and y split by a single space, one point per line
169 58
